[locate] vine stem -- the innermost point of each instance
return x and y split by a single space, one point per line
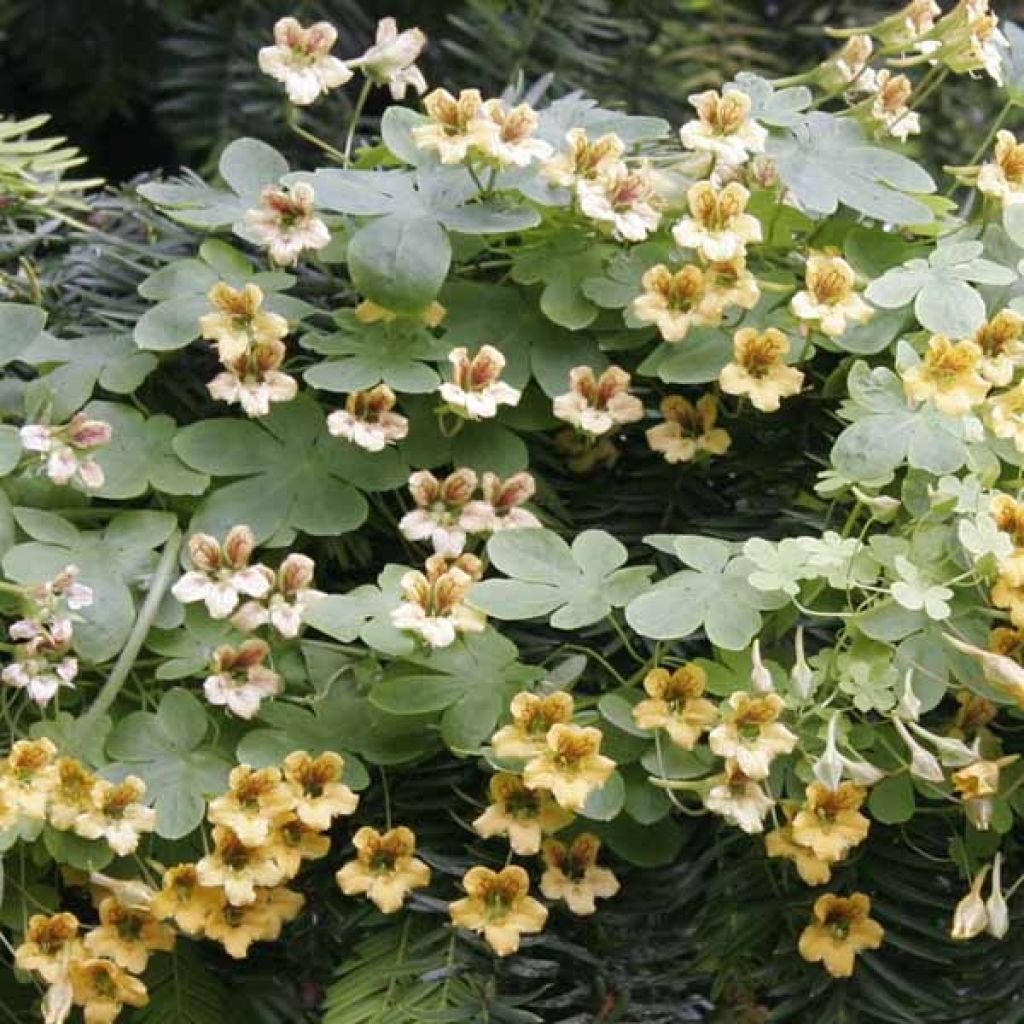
357 112
165 569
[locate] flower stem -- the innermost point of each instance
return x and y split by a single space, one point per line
165 569
293 123
357 112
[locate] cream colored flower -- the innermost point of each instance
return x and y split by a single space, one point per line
677 301
730 284
758 369
291 842
391 61
101 989
184 899
723 126
532 717
368 419
253 799
239 680
751 733
571 874
117 815
948 376
597 405
571 766
449 130
434 605
1005 415
1003 178
475 391
506 137
718 227
970 917
840 929
851 62
689 430
237 868
439 508
829 299
64 450
623 198
738 799
237 927
524 815
301 59
127 936
585 160
239 321
501 505
71 794
499 906
51 943
222 573
830 823
254 380
1001 340
28 776
977 785
676 703
285 223
286 606
385 869
316 787
811 869
889 108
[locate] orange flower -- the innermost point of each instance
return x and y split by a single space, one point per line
524 815
840 929
51 943
385 868
573 875
498 905
676 704
571 766
127 936
532 716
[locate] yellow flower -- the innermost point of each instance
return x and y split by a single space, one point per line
51 943
810 868
977 784
72 793
532 717
571 766
1003 178
254 797
317 789
524 815
572 874
384 869
676 704
688 430
449 130
1008 593
732 284
840 929
751 735
830 823
738 799
829 299
239 321
498 905
948 375
292 841
675 302
184 899
1001 341
127 936
28 775
1005 415
237 928
238 868
758 369
102 988
117 815
718 227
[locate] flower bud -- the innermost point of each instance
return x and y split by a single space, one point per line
760 677
801 676
923 764
952 752
910 705
828 769
970 917
995 906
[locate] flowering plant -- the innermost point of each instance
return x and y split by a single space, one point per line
645 498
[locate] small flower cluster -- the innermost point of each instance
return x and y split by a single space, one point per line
64 452
37 787
222 576
42 662
250 347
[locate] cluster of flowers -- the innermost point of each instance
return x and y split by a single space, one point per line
253 596
63 452
42 662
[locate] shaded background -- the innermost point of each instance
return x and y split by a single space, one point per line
157 84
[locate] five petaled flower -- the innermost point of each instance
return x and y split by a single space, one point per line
301 59
841 928
385 869
475 391
498 905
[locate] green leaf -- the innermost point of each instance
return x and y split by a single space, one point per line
576 586
20 325
697 360
645 845
165 750
396 126
400 261
605 803
292 474
892 800
826 161
247 165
